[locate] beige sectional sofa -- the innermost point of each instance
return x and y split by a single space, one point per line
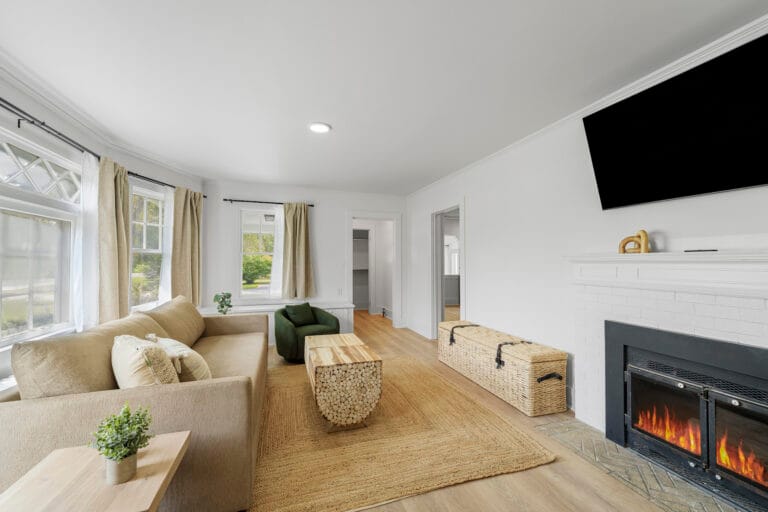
66 387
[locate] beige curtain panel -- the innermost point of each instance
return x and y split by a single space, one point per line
114 241
185 253
297 263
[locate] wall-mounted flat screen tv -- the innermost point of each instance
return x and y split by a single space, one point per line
705 130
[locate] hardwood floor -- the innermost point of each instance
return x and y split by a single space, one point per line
568 484
452 313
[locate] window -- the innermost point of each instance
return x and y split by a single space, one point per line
147 246
257 263
39 209
34 270
24 170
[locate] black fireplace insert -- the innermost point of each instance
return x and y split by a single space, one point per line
697 406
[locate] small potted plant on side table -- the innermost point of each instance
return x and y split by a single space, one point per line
119 438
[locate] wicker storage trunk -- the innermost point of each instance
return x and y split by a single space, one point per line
527 375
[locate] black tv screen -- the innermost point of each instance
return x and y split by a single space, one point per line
705 130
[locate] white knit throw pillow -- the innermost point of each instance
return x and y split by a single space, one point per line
189 364
138 362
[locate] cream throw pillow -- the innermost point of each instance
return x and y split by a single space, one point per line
138 362
189 364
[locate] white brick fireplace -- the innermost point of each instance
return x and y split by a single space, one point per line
720 295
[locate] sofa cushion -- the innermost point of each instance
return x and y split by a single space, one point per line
315 330
189 364
180 319
74 363
300 314
232 355
138 362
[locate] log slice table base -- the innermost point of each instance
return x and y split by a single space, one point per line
345 375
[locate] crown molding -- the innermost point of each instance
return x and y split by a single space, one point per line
39 90
734 39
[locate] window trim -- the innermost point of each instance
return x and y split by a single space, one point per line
159 196
9 137
245 297
32 208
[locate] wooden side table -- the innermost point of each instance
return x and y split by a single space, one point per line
73 479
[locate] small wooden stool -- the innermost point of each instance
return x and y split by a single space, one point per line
345 375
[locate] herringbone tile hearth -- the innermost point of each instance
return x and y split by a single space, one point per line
662 487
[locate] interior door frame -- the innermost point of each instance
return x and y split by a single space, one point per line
437 265
398 285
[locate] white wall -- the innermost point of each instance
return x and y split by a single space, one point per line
451 227
530 207
36 105
330 237
381 256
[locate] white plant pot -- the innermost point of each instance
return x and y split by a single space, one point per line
120 471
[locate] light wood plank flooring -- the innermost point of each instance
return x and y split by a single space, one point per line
568 484
452 313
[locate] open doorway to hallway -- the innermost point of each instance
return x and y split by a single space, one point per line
373 251
447 265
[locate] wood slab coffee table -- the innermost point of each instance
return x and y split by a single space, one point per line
73 479
345 375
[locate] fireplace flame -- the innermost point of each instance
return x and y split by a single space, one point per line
733 457
685 434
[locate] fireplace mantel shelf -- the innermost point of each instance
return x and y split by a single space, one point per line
674 257
736 273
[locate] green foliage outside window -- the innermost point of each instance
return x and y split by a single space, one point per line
256 267
145 277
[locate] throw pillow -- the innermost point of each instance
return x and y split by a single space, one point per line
138 362
180 319
189 364
300 314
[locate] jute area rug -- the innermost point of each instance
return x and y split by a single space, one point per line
424 434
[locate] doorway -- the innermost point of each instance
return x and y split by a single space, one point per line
447 265
373 259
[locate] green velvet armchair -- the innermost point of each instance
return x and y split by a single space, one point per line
289 337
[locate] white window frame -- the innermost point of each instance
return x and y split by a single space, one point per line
250 297
64 292
135 189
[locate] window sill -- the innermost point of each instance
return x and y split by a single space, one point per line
274 305
56 331
7 383
147 306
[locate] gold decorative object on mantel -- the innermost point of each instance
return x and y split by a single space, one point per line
635 244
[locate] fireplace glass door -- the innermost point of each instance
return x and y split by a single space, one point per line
741 440
666 412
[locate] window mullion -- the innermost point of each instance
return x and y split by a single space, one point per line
30 277
56 181
144 228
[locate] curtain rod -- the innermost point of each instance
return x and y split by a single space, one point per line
259 202
153 180
37 123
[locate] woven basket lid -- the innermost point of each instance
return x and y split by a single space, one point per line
490 338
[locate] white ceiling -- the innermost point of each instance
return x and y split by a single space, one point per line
414 90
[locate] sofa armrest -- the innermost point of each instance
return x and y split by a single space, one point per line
219 325
215 473
325 318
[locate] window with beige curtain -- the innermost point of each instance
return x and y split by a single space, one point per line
185 254
114 245
298 280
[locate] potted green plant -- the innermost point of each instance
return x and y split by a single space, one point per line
223 302
119 438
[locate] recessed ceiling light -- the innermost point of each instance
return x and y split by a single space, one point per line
319 127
